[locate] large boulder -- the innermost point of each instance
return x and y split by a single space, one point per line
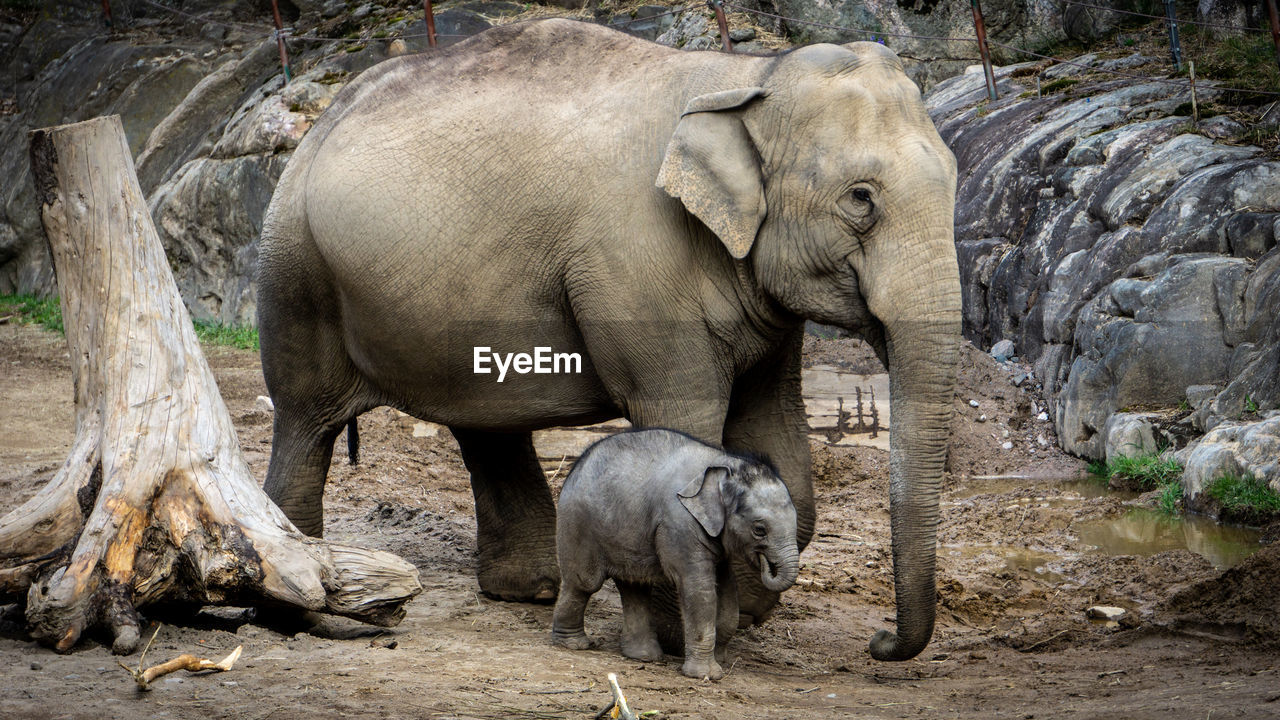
95 76
209 213
1232 449
1143 341
1123 252
1023 23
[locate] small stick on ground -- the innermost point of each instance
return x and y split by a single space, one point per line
1044 642
619 709
187 662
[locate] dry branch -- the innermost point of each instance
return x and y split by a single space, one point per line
187 662
619 708
155 501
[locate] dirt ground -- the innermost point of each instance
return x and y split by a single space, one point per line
1015 579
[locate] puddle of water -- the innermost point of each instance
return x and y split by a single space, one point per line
1147 532
1139 531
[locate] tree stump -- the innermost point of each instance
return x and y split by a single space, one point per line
155 502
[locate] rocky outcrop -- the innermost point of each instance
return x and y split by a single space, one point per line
211 124
94 76
1235 449
1025 23
1127 251
209 212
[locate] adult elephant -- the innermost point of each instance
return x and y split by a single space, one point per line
672 217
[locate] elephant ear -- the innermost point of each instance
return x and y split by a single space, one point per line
702 497
713 167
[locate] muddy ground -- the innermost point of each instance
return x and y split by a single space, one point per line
1012 637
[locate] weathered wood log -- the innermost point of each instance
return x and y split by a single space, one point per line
155 502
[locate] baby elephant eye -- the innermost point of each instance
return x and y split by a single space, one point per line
862 195
759 530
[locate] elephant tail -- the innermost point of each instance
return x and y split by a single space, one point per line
353 442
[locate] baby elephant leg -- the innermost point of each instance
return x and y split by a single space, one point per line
567 620
639 639
698 606
726 609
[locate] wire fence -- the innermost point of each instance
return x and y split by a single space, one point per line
874 35
1165 18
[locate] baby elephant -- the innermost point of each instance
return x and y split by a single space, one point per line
646 505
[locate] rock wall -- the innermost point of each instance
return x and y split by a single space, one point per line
208 117
1025 23
1127 251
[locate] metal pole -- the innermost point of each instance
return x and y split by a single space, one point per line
980 28
718 6
106 11
430 15
284 54
1175 47
1275 26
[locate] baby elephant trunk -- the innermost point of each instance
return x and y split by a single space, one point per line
779 567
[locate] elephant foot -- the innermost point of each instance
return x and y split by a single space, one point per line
702 669
577 641
519 582
645 650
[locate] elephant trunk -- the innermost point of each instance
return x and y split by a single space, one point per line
922 350
779 567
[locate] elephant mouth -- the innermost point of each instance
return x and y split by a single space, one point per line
763 562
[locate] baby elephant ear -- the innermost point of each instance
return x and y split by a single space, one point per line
703 499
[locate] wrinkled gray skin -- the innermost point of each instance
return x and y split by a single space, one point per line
672 216
653 505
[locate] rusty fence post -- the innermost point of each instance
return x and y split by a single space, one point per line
1275 26
1175 47
284 53
429 14
718 6
980 28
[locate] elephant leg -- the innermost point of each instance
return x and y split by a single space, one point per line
698 605
301 451
568 619
726 609
639 641
315 387
316 391
766 416
515 516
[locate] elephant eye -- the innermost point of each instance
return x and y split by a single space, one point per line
759 530
858 208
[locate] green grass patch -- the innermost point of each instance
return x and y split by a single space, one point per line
47 313
1170 501
1244 497
239 336
29 309
1059 85
1244 61
1143 472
